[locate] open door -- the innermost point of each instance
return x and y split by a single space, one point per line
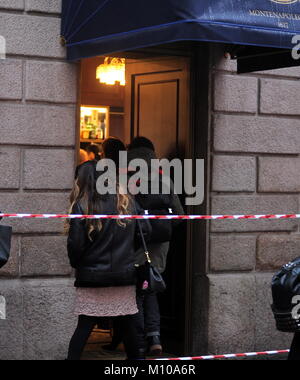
157 106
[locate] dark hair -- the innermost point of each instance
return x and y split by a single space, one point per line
141 142
93 148
86 176
111 149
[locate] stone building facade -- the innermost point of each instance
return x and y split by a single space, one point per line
37 107
254 157
255 168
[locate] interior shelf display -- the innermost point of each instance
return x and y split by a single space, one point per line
94 123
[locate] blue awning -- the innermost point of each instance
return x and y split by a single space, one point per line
98 27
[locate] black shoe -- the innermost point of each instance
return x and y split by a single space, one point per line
154 344
139 355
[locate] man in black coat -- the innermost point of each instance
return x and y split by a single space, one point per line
142 148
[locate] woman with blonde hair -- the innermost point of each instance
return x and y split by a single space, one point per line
103 254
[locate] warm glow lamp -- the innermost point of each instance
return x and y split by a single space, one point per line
112 71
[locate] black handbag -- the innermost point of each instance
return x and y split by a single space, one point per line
285 287
148 277
5 244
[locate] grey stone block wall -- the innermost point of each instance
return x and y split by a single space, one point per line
279 174
40 86
37 124
255 148
255 134
255 152
280 97
38 95
12 4
39 320
44 6
11 79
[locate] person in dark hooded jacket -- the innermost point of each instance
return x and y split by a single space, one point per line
155 204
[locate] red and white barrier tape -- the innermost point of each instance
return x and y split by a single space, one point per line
160 217
172 217
231 356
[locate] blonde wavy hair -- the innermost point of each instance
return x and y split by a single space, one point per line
85 193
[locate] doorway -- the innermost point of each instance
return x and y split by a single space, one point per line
155 103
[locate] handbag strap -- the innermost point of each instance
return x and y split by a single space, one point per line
147 254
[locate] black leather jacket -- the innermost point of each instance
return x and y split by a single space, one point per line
108 260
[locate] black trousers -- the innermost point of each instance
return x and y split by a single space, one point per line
86 324
149 313
148 320
295 349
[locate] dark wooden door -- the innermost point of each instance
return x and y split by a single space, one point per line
157 107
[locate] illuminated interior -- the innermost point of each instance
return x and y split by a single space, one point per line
94 124
102 100
112 71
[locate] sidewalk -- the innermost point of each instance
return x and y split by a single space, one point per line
94 351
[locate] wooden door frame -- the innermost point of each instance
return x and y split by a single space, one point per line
198 232
78 113
197 147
